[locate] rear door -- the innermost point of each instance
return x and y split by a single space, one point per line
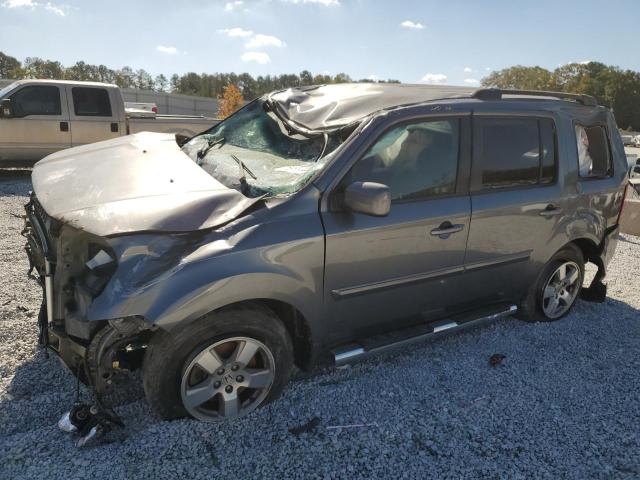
383 273
93 114
516 203
39 125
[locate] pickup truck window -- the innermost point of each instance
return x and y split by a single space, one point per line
512 152
36 100
256 153
91 102
414 160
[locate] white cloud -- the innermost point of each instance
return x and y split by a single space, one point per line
259 40
326 3
258 57
231 5
435 78
19 3
373 78
471 81
236 32
54 9
468 69
410 24
488 69
167 50
50 7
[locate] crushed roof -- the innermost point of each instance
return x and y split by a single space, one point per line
327 107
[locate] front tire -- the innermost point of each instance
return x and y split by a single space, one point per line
556 289
224 365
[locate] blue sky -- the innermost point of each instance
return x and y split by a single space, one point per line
437 41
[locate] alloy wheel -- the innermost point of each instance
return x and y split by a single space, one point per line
227 379
561 290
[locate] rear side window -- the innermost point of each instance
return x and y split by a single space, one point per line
91 102
36 100
512 152
594 156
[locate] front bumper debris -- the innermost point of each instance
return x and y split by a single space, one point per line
89 360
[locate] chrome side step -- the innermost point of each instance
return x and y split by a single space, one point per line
392 340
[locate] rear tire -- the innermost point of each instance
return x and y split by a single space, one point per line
551 289
200 370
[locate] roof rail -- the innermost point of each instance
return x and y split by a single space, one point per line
497 93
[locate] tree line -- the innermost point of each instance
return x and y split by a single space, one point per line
202 84
612 86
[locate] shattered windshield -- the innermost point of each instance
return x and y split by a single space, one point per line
254 151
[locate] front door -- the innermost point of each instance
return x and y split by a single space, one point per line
383 273
38 126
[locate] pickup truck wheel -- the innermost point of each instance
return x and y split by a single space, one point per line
225 365
556 289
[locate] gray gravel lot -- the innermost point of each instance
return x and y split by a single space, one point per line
564 403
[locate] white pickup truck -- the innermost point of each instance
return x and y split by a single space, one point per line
39 117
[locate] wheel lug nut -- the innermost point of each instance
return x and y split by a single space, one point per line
228 389
216 384
240 379
234 368
220 371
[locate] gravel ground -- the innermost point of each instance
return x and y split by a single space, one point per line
563 403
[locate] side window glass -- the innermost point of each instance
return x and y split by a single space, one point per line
36 100
594 158
415 160
508 152
512 152
91 102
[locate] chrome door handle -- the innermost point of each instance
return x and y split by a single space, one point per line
446 229
550 211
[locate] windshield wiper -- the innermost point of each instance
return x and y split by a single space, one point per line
244 186
243 168
203 151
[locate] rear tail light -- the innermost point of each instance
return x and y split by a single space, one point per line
154 109
624 197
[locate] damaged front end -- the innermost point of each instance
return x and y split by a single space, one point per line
73 267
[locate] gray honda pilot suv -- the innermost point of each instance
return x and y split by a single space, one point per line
317 225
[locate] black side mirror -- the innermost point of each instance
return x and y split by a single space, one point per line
635 170
5 108
369 198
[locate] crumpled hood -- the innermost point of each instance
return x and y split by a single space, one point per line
140 182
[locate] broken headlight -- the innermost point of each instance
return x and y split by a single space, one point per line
98 269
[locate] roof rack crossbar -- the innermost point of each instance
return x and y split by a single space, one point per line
497 94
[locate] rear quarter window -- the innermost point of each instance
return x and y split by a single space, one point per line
594 151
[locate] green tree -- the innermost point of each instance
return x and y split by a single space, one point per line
342 78
35 67
161 83
10 67
519 77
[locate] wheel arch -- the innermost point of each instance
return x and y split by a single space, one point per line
296 324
